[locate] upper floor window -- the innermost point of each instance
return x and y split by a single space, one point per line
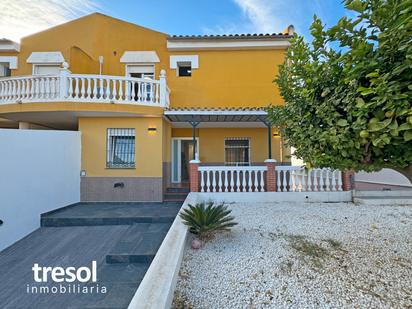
141 91
4 70
46 63
7 63
120 148
237 151
46 69
184 64
184 69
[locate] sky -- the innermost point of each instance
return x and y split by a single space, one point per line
23 17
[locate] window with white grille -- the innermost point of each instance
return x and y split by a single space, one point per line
120 148
237 151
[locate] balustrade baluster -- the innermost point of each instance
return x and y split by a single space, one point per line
244 181
256 182
303 182
315 180
202 181
309 183
219 181
232 181
262 181
339 177
114 92
226 181
208 181
89 88
120 94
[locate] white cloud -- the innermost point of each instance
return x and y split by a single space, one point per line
20 18
264 15
259 16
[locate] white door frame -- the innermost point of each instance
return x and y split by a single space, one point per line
179 159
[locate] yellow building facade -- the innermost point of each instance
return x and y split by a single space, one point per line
146 103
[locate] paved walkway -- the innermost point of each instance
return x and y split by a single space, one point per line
121 237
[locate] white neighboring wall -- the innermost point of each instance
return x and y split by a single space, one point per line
385 176
39 172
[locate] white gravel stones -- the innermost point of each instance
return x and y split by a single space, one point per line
367 260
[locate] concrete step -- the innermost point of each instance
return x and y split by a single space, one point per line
383 193
177 190
73 221
91 214
136 246
389 200
175 196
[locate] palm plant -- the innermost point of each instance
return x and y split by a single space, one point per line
204 219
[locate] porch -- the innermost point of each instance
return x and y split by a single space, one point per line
237 150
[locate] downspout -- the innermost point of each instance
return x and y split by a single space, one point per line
194 124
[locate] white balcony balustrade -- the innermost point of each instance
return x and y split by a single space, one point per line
298 179
67 87
232 178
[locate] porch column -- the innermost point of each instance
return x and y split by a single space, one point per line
194 175
269 141
269 126
194 124
271 175
348 180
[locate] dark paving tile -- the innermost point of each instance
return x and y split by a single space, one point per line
90 214
109 226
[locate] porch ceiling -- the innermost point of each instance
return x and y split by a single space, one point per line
217 117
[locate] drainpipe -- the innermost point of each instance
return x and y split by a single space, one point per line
101 59
194 124
268 124
269 141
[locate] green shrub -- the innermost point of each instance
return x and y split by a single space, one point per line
205 219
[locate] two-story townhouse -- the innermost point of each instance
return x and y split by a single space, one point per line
146 103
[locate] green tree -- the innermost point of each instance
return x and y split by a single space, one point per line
348 92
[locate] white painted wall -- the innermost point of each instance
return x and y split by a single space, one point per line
39 172
385 176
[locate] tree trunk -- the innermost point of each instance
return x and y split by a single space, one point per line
407 172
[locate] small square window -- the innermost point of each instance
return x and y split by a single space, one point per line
184 69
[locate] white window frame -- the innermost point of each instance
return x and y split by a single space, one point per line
114 132
4 68
237 147
129 66
178 159
11 60
37 65
192 60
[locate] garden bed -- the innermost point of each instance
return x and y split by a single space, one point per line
303 255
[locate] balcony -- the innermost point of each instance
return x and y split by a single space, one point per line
85 88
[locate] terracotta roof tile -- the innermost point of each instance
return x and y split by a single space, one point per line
252 36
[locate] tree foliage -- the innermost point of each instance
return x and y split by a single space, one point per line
348 92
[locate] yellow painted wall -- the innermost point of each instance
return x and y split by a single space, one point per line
167 134
225 78
211 142
148 158
231 78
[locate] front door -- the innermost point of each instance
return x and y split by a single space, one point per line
182 153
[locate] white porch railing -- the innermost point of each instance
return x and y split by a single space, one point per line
232 178
84 88
297 178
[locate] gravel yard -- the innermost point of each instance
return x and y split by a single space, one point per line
295 255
